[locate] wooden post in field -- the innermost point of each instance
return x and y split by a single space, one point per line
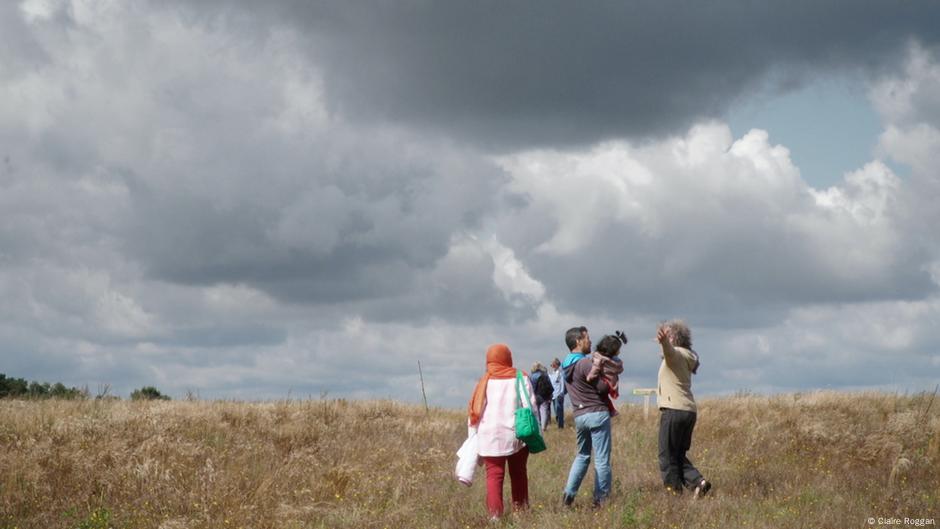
646 393
423 394
933 396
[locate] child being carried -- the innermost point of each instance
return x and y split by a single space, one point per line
607 364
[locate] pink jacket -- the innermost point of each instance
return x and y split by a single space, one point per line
496 433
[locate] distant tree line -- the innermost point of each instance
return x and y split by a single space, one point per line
20 388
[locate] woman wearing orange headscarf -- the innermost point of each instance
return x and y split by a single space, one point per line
492 414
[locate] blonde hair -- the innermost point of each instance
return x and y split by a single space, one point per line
537 367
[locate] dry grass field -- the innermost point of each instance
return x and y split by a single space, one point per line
808 460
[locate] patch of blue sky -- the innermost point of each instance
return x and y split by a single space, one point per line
829 126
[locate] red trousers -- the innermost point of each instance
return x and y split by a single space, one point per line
519 481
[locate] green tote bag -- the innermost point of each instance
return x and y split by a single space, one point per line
527 426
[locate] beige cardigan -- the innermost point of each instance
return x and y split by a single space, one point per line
675 378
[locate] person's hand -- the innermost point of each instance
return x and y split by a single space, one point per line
661 336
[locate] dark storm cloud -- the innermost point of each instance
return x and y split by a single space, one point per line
739 281
517 74
328 237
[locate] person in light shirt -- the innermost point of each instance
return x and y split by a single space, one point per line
556 376
677 407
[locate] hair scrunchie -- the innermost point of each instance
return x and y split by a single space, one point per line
621 336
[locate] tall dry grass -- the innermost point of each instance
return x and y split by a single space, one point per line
811 460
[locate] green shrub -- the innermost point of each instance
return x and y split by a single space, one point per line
148 393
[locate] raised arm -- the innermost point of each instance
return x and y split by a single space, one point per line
670 355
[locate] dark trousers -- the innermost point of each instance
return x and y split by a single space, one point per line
559 405
675 439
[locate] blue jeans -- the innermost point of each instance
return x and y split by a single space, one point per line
593 430
558 404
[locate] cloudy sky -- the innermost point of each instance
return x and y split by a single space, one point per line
250 200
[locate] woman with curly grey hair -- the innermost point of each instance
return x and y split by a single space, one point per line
677 409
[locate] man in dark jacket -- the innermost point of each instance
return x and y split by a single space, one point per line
542 387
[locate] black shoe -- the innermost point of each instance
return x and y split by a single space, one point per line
567 500
701 489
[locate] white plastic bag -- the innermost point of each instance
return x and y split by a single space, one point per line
467 460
